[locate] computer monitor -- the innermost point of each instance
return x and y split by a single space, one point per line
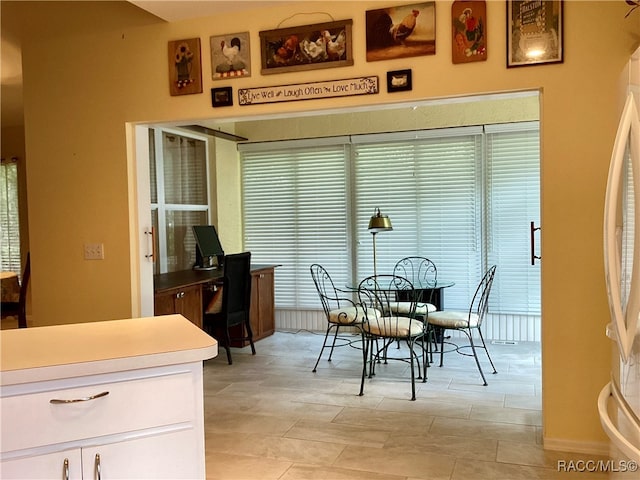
207 247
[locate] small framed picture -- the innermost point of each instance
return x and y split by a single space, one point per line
222 97
398 81
534 32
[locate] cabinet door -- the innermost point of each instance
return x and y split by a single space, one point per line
49 466
185 300
170 455
262 313
262 307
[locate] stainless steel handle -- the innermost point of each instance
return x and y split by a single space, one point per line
97 462
76 400
65 469
180 295
533 244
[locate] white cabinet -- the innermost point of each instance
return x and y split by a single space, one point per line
47 466
85 421
152 457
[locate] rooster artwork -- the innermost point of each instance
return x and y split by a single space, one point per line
306 47
399 32
230 56
469 31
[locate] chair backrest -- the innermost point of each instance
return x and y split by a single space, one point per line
420 271
378 293
480 302
236 296
24 285
327 291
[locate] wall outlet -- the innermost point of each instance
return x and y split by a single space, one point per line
94 251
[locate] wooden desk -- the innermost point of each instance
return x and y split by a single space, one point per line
188 292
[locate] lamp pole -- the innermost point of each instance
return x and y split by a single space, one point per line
375 273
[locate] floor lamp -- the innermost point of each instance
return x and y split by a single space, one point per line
378 223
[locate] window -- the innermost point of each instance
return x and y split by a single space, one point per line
179 196
463 197
295 208
9 216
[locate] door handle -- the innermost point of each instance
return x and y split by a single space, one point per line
534 257
151 235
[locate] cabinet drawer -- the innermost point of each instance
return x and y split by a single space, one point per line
32 420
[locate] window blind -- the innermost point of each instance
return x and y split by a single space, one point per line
295 214
428 186
309 201
513 202
9 217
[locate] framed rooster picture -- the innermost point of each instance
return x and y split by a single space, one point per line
321 45
401 31
469 34
230 56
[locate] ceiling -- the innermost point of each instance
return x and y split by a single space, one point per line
173 11
21 19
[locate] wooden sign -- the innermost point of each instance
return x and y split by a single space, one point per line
309 91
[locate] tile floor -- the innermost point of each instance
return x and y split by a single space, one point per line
269 417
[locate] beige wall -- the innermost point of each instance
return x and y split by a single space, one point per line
81 88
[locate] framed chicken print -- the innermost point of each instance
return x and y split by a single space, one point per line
469 35
401 31
534 32
185 67
230 56
322 45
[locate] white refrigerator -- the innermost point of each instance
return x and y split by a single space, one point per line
619 401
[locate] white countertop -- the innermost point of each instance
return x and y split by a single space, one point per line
63 351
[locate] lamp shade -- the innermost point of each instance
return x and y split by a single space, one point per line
379 222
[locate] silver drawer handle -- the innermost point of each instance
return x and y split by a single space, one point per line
98 468
76 400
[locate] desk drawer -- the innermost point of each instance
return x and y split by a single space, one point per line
32 420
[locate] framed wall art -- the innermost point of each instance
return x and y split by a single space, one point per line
399 81
469 35
230 56
185 67
402 31
322 45
222 97
534 32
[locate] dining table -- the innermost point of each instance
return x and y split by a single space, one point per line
432 291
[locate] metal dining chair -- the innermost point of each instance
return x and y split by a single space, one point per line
468 321
423 274
376 295
340 311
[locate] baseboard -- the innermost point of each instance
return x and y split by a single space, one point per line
576 446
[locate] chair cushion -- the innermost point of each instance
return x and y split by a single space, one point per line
394 327
403 307
346 315
449 319
215 304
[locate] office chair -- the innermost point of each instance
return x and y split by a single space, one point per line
236 303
